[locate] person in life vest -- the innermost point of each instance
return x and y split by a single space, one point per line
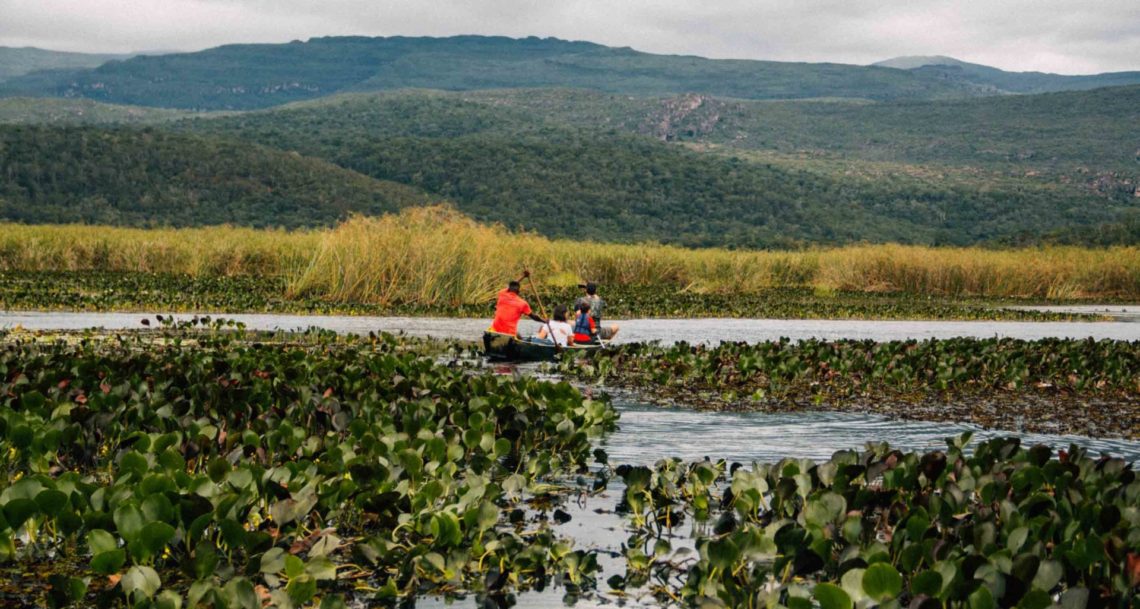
597 305
585 330
509 308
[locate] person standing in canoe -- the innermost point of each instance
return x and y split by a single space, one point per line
596 304
509 309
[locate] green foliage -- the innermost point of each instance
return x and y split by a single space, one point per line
912 533
978 378
147 177
568 163
195 465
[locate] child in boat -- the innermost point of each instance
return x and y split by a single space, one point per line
585 330
558 331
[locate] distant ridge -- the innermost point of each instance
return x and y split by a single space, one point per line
250 76
988 80
17 61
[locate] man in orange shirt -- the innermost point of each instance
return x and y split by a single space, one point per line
509 308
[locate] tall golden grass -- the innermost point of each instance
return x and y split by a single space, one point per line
434 255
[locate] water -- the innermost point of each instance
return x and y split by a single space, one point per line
710 330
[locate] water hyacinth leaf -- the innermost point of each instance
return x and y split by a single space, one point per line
1017 539
241 594
99 541
321 568
852 584
51 502
981 599
722 553
129 522
157 508
301 589
445 529
882 582
1049 574
927 582
154 536
140 580
108 562
168 599
831 596
294 566
18 511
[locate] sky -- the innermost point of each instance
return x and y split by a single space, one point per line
1061 36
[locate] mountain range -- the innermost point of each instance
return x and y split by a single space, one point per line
249 76
577 140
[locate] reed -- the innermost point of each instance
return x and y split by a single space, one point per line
437 256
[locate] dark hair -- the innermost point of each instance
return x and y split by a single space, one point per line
560 313
591 288
584 305
513 287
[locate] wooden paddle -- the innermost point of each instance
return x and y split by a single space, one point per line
541 309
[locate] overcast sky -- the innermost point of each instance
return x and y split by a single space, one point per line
1063 36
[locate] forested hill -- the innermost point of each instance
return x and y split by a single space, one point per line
570 163
248 76
146 177
1001 81
17 61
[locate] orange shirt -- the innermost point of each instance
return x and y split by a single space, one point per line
508 310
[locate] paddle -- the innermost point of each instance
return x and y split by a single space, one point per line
541 309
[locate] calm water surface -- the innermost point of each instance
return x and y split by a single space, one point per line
665 330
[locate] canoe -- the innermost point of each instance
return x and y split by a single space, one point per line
509 348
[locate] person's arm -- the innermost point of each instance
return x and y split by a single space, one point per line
536 318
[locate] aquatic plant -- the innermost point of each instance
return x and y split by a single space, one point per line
865 374
1003 526
220 468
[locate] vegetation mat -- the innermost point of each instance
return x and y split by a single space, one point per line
1084 387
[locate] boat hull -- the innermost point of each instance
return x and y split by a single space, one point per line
509 348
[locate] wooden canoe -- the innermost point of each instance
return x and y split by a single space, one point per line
509 348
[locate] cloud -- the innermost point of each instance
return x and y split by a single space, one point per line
1047 35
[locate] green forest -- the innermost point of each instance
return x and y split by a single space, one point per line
693 169
153 178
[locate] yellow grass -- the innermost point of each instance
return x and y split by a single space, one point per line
435 255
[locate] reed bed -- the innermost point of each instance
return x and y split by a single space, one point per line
218 250
437 256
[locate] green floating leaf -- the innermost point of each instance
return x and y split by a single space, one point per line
99 541
981 599
927 582
106 563
882 582
129 522
831 596
18 511
51 502
140 580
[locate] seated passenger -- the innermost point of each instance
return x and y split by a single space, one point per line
585 330
558 331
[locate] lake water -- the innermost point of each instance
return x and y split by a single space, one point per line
664 330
